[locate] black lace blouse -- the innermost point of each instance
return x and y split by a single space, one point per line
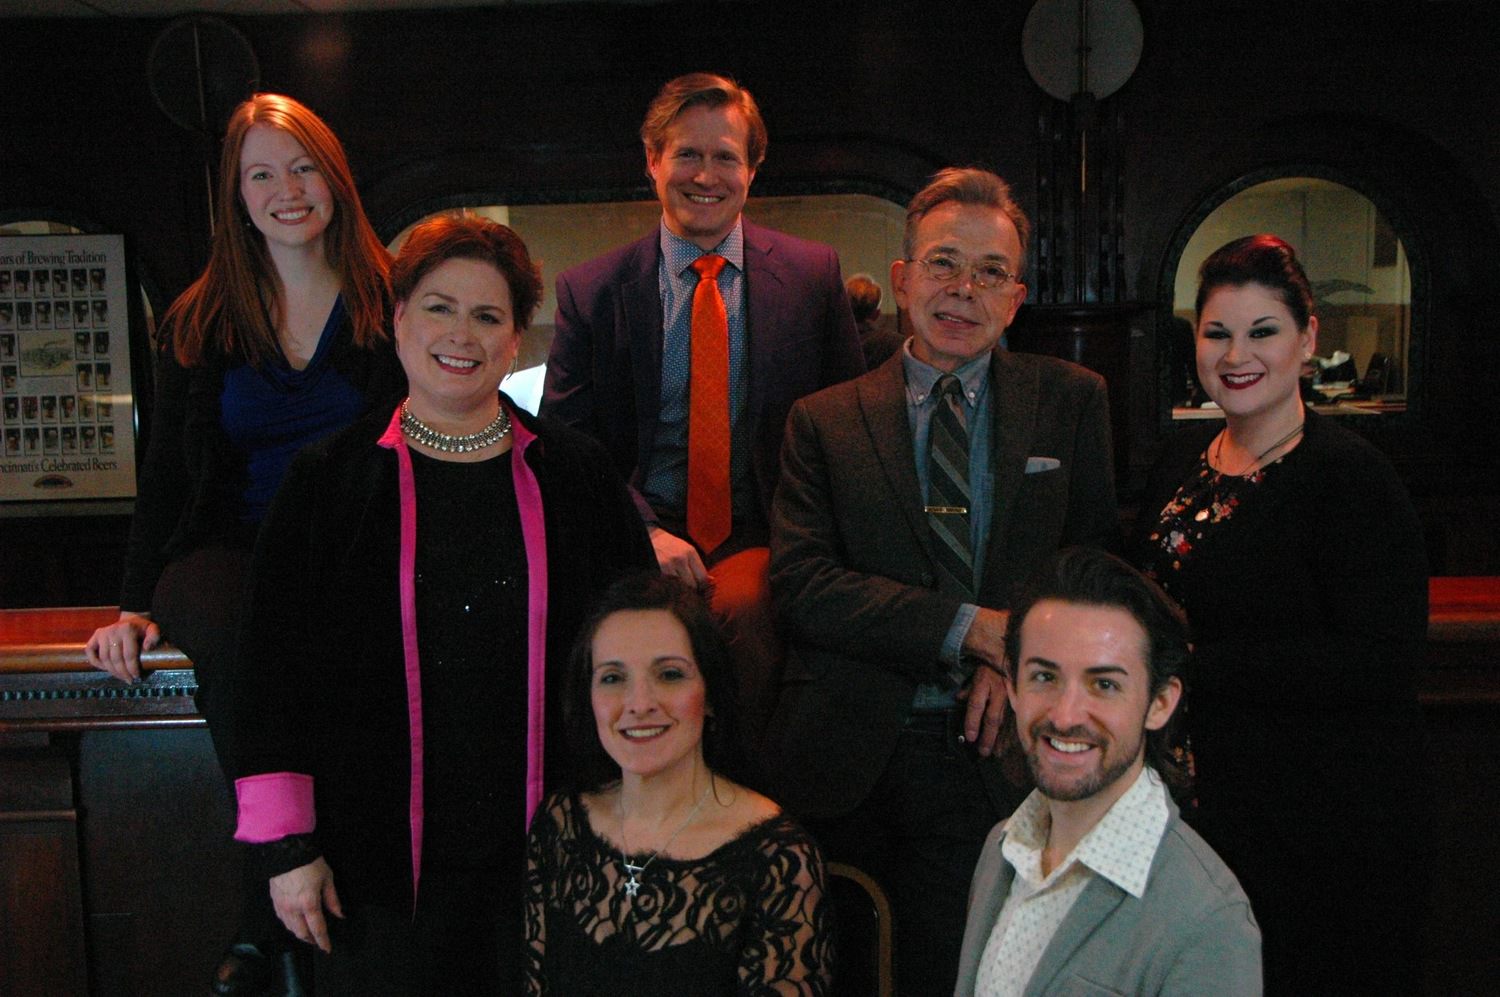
748 918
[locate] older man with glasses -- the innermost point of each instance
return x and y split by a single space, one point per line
913 500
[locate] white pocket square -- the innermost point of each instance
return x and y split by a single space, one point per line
1036 465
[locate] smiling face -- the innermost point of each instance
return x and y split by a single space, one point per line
648 696
456 337
1250 352
1083 700
702 173
955 322
284 194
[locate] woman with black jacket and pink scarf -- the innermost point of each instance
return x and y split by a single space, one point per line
415 592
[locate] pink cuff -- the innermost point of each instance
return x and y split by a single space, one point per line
273 806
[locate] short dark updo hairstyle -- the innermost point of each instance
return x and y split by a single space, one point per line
651 590
1258 259
469 237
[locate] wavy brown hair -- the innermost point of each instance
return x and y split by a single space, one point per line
233 307
1086 576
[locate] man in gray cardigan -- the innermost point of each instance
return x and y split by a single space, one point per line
1094 884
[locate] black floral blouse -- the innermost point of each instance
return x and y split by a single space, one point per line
748 918
1189 522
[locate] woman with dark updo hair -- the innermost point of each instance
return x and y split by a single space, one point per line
1297 554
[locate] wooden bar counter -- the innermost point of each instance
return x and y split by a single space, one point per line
119 875
120 878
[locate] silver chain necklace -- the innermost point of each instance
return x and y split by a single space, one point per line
1219 449
632 886
419 432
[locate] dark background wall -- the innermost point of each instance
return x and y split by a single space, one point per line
542 102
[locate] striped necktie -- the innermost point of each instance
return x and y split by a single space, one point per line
948 490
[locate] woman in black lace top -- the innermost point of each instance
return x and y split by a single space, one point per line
664 877
1295 550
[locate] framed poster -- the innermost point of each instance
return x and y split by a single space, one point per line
66 399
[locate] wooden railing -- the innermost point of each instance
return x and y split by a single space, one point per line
46 683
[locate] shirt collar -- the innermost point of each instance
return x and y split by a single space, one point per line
679 253
1120 847
921 376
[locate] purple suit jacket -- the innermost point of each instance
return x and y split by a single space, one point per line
604 370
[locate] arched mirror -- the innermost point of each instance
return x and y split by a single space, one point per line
864 229
1362 285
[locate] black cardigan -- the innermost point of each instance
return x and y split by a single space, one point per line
192 478
1309 614
320 679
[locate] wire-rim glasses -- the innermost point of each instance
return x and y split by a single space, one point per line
946 268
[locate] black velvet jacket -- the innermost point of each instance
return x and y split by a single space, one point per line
192 477
320 684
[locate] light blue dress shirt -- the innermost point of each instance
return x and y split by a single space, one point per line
665 483
974 376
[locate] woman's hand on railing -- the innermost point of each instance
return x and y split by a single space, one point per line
117 648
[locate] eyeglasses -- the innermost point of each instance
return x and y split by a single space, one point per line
945 269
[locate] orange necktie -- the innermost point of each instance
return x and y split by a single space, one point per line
708 503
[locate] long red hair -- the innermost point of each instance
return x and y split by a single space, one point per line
223 310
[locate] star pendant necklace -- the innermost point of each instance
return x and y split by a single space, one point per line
632 886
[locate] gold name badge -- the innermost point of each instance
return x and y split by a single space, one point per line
946 510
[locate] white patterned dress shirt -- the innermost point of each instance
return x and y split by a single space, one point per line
1120 848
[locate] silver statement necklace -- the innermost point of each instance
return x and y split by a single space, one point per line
419 432
632 886
1289 437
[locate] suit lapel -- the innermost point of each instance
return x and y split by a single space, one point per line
1097 902
641 318
763 303
882 403
1013 408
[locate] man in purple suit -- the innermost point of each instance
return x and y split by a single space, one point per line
621 365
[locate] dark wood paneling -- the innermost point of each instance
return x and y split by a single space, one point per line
41 914
162 890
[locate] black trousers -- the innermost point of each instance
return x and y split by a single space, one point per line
465 938
919 834
198 603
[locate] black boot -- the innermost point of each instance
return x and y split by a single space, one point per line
245 971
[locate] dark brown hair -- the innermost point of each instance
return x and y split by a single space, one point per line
646 591
469 237
1091 577
1258 259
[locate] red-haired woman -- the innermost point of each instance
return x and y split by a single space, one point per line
282 340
